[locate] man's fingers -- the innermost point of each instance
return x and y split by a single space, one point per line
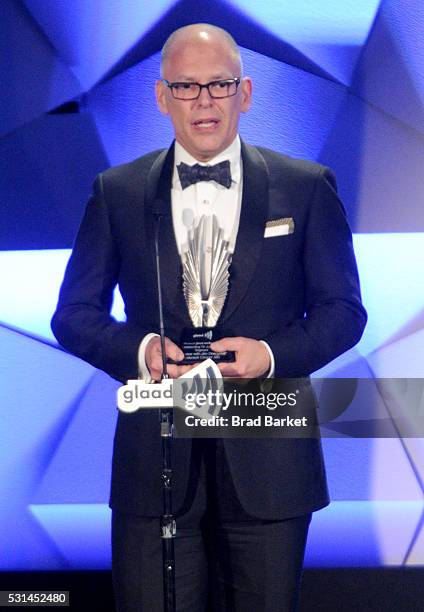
154 357
226 344
228 369
173 351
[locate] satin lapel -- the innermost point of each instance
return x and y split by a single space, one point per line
253 216
158 198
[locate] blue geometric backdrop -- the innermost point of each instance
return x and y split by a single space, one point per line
337 81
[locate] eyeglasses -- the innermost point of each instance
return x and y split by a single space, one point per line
224 88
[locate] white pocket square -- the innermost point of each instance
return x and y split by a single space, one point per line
279 227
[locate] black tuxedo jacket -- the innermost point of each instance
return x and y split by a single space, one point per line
298 292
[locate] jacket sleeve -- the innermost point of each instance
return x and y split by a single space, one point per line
82 322
334 317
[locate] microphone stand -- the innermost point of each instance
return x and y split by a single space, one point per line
166 417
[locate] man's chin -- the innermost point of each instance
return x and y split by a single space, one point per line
207 148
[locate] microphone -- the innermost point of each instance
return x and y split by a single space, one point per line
166 421
160 211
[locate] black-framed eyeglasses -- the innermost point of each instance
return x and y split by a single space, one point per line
224 88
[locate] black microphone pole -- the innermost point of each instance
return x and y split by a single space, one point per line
167 522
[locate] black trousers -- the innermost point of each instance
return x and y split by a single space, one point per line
225 559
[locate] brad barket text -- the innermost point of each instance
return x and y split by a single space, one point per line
237 421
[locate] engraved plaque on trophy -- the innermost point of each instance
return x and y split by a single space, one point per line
206 261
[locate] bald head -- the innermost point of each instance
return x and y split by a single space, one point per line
200 34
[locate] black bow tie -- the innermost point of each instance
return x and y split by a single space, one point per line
193 174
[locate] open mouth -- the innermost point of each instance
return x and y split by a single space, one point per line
205 123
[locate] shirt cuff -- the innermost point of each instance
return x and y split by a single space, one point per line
271 356
143 370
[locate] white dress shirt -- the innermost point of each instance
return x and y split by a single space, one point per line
204 198
207 197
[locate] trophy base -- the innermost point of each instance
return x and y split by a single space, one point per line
196 346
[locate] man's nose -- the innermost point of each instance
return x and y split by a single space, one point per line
204 98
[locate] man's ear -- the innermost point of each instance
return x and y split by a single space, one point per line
160 91
246 94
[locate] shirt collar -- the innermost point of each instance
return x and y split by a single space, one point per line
232 153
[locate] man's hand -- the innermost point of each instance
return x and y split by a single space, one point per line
153 358
252 357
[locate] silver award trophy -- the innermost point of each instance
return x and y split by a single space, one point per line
205 261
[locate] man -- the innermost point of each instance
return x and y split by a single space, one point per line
243 506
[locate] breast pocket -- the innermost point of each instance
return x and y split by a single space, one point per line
281 259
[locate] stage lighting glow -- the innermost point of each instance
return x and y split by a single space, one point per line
93 36
316 28
390 268
362 533
79 531
31 281
328 21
